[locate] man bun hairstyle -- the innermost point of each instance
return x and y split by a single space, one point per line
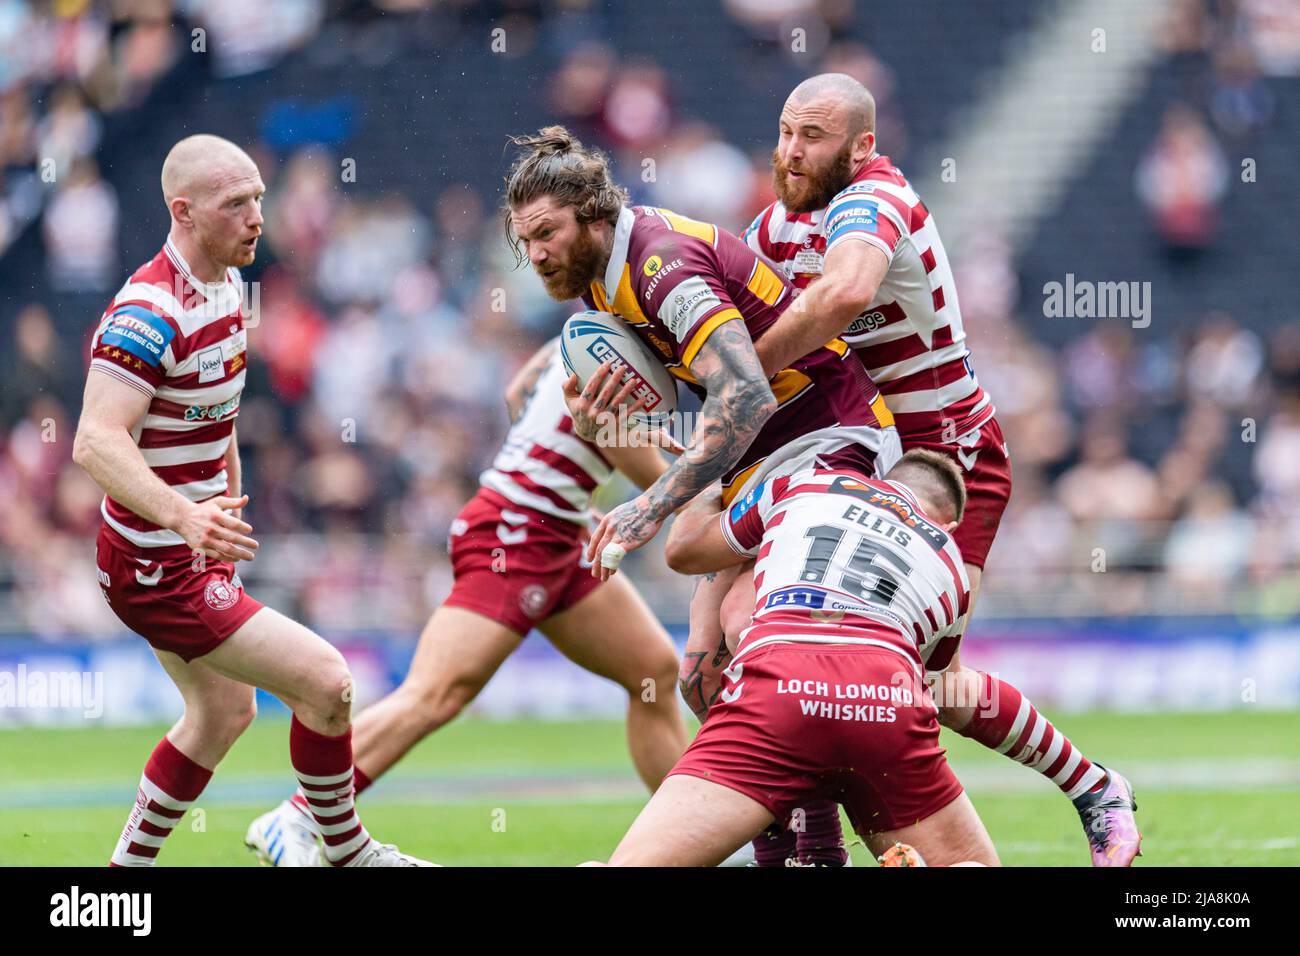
933 476
553 162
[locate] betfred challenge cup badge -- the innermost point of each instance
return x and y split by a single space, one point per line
220 595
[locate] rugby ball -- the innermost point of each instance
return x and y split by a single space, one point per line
588 339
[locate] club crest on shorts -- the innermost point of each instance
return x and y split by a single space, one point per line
220 595
532 600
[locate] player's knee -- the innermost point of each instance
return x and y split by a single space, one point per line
654 686
329 698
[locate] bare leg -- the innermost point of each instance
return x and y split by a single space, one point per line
288 660
957 689
458 653
953 835
611 632
217 709
690 822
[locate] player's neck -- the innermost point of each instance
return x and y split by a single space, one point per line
201 266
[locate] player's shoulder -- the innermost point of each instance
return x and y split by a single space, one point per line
665 249
156 286
656 231
880 176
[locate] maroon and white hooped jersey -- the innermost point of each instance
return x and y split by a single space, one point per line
543 465
182 342
910 336
842 559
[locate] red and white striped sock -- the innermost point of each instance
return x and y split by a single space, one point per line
1011 725
169 786
359 783
324 768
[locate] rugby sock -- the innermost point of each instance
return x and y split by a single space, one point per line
821 842
170 784
359 783
324 768
774 846
1007 722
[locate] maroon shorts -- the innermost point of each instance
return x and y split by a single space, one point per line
172 599
982 454
796 723
515 565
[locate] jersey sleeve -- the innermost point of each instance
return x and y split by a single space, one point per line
680 282
856 214
745 521
133 344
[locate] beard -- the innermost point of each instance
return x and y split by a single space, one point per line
816 187
228 253
572 278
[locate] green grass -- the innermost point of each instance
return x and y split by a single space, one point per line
1216 789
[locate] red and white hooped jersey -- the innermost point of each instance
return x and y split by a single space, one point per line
543 465
182 342
910 336
843 559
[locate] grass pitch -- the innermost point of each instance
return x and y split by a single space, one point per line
1212 790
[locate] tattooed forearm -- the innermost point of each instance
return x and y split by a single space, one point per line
700 683
739 402
522 386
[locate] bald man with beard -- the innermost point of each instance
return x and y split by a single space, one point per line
849 231
157 434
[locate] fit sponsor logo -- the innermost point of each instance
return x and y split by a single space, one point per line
37 689
1083 299
130 910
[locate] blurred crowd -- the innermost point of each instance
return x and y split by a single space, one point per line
1152 472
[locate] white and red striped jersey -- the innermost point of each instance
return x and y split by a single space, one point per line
182 342
843 559
543 465
910 336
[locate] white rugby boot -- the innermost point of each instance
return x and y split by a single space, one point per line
385 854
284 837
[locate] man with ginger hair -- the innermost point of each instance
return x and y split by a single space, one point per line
157 434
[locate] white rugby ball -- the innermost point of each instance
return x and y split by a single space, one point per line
588 339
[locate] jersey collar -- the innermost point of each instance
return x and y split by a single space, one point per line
208 289
618 255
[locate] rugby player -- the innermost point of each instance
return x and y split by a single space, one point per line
516 552
850 231
157 433
860 590
699 299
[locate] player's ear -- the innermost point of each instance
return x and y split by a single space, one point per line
948 528
863 145
180 208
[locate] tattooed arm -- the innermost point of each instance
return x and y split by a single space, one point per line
521 387
739 402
